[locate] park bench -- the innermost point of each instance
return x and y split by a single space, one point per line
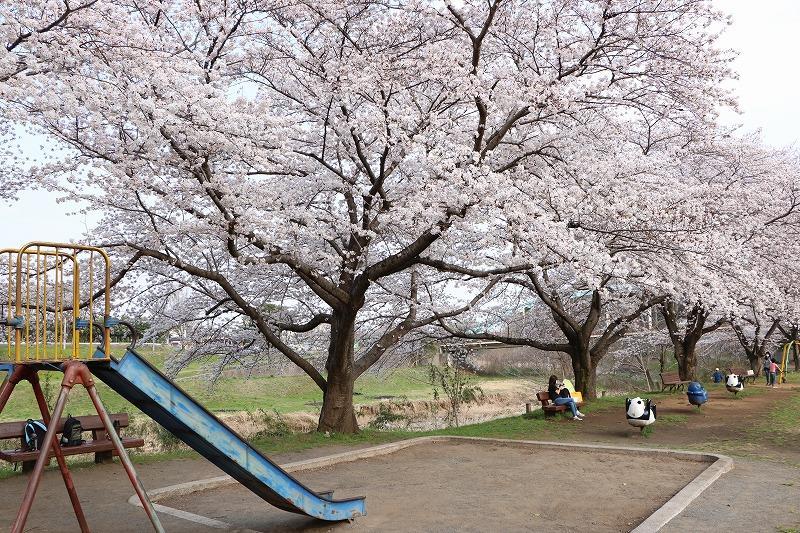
673 381
100 444
549 408
742 373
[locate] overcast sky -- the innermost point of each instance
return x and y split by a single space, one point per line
764 32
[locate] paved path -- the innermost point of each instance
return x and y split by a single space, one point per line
756 496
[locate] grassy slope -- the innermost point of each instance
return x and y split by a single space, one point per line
782 426
284 394
531 427
517 427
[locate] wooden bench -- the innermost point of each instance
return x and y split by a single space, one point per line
673 381
549 408
100 444
742 373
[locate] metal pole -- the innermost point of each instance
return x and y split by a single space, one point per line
41 461
62 463
123 456
8 386
19 373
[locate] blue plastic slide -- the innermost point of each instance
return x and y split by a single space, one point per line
157 396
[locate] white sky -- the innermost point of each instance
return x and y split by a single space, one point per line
764 32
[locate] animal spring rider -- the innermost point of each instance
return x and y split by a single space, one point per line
734 383
696 393
640 412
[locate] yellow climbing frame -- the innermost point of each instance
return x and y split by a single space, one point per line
52 292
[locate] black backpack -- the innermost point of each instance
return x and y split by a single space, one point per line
33 434
73 431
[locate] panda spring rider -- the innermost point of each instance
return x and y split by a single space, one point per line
640 412
734 383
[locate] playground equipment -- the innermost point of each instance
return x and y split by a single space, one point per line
52 293
640 412
734 383
696 393
785 358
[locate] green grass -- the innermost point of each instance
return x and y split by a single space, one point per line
22 404
674 420
614 401
284 394
748 392
533 426
782 425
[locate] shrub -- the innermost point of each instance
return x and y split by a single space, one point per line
455 384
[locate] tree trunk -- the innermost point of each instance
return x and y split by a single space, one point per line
650 383
647 376
755 361
338 414
684 339
585 372
586 381
686 357
796 354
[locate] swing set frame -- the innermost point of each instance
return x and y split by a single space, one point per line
50 285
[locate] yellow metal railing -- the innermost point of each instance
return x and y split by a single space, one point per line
51 298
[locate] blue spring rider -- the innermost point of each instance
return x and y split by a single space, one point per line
696 393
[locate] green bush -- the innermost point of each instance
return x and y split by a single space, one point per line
456 386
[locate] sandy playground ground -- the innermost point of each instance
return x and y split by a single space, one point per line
470 486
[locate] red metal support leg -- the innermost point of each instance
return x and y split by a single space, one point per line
126 461
8 385
81 373
41 461
62 463
75 373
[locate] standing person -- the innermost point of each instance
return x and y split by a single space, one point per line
555 396
773 373
717 376
767 364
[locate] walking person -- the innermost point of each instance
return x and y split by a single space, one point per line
767 364
556 397
773 373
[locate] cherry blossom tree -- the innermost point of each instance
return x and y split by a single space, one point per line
589 320
336 145
621 214
686 328
755 336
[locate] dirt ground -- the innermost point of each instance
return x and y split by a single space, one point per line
765 470
457 486
104 491
725 424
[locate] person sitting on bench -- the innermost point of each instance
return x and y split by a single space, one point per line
556 397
